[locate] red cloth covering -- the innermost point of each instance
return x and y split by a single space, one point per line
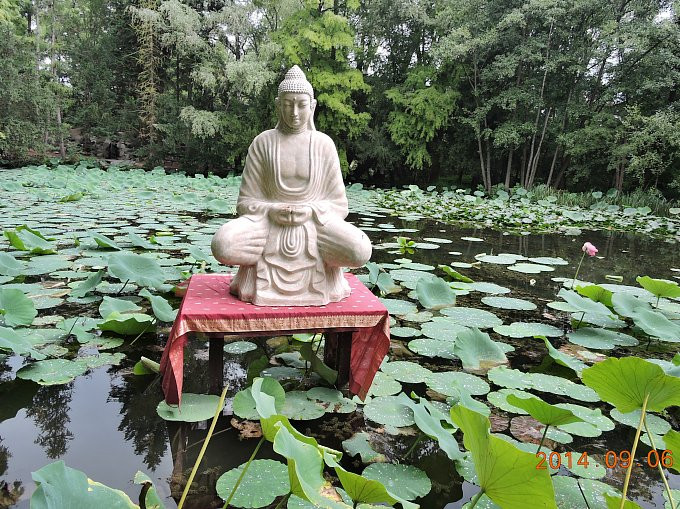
209 307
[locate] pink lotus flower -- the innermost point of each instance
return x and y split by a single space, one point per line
589 248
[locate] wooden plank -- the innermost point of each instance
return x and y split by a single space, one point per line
216 364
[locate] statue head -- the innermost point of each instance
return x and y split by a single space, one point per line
295 103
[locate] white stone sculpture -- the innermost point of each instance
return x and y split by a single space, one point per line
291 240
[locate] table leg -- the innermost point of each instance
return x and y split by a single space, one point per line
216 364
337 353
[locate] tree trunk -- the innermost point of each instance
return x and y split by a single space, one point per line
53 64
508 169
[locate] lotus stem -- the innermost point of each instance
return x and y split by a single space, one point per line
663 477
282 501
476 498
243 473
152 322
658 298
540 444
413 445
205 446
578 483
125 284
577 269
632 452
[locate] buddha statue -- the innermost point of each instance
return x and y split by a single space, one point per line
291 239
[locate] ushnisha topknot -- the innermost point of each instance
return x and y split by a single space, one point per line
295 81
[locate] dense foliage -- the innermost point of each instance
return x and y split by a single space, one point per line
568 93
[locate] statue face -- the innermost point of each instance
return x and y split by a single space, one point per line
296 109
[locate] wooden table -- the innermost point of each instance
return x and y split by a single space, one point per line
356 329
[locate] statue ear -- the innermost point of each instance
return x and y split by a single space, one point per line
313 105
277 102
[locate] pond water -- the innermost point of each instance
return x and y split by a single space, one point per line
105 422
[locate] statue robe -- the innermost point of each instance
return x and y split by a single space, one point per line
300 264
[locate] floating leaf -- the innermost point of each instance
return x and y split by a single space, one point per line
359 444
600 339
239 347
672 442
405 481
161 307
389 410
15 308
530 268
105 242
9 266
562 358
543 412
596 293
433 348
527 329
244 403
405 371
24 238
450 383
509 303
262 483
88 285
298 407
399 307
443 329
194 408
472 317
454 274
52 371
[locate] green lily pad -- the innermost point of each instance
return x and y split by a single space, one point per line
359 444
509 303
569 492
10 266
516 379
105 242
244 403
388 410
136 268
264 481
194 408
472 317
530 268
239 347
477 351
548 260
404 332
497 259
433 348
543 412
656 424
600 339
405 371
528 329
500 399
162 309
442 329
491 288
384 385
435 293
659 287
450 383
15 308
298 407
52 371
399 307
88 285
405 481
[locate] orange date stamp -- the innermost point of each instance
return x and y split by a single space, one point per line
612 459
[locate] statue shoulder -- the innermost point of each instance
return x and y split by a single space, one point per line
324 140
262 141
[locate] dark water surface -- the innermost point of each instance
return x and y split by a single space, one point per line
106 425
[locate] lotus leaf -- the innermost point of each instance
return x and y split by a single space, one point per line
52 371
24 238
600 339
543 412
656 424
547 260
562 358
626 382
239 347
298 407
20 343
659 287
472 317
405 481
399 307
498 259
530 268
194 408
59 486
596 293
161 307
15 308
435 293
359 444
433 348
442 329
507 475
450 383
384 385
136 268
476 349
672 442
657 325
454 274
584 305
509 303
491 288
405 371
262 483
10 266
404 332
389 410
88 285
527 329
105 242
570 492
515 379
128 324
500 400
244 404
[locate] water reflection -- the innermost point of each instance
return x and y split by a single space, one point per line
49 411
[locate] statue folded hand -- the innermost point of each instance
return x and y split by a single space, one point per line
290 215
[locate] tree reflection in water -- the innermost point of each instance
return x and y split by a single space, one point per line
50 412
